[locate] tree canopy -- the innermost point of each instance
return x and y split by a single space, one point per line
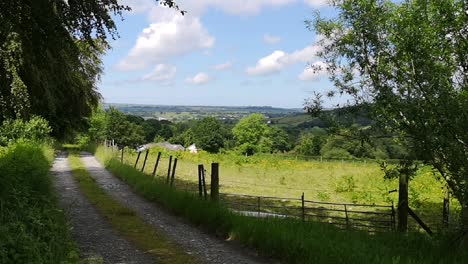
407 61
50 58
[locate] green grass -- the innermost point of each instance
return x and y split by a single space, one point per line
126 221
342 182
32 228
291 241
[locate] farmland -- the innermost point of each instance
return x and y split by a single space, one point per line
325 181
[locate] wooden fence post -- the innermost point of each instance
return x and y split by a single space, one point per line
144 162
156 165
403 203
205 192
173 172
446 209
347 217
136 162
303 207
200 169
214 182
258 205
169 170
122 155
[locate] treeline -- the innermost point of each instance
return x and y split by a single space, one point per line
250 135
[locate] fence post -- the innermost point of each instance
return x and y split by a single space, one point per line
204 182
122 155
169 170
144 162
446 209
393 227
200 168
347 218
403 203
156 165
258 205
303 207
136 162
173 172
214 182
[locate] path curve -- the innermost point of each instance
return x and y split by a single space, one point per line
95 237
194 241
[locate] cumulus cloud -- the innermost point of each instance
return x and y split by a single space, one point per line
278 60
200 78
166 39
314 72
222 66
269 39
162 72
317 3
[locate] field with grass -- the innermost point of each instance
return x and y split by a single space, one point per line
290 240
327 181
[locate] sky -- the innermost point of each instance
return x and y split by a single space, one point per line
221 52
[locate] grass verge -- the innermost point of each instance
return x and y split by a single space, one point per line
32 228
289 240
126 221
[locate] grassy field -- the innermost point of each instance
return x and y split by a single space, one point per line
338 181
290 240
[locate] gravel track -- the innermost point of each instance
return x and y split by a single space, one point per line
97 241
207 247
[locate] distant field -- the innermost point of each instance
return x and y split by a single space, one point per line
345 182
185 113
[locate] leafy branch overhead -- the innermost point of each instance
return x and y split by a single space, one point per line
50 57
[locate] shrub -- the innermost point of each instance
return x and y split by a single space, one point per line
37 129
32 229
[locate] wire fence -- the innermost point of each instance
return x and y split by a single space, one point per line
373 218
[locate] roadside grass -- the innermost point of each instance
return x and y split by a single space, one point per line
291 241
327 181
32 227
126 221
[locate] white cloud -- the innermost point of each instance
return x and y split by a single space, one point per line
200 78
314 72
317 3
163 40
162 72
268 64
222 66
279 60
269 39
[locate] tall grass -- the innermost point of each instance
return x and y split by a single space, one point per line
328 181
291 241
32 228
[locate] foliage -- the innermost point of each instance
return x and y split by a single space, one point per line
208 134
32 229
251 135
36 129
411 61
122 131
50 58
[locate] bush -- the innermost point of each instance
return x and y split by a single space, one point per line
37 129
336 153
32 229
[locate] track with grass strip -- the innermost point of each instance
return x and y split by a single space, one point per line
97 240
208 248
126 221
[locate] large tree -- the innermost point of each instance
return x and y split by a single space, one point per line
50 58
407 61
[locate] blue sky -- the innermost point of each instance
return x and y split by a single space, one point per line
239 53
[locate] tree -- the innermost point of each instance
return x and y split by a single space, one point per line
251 135
279 140
122 131
50 58
208 134
407 62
